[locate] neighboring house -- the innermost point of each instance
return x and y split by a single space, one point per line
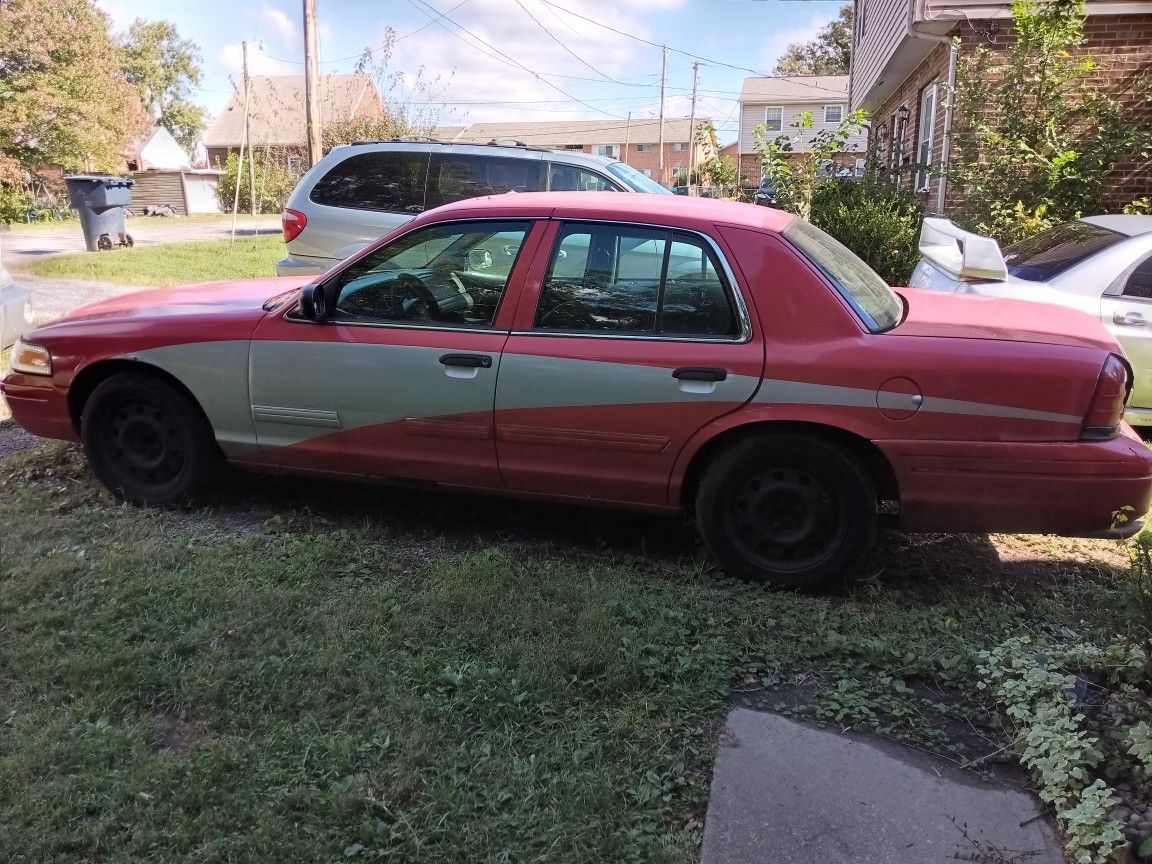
164 176
902 61
276 114
778 103
635 142
157 149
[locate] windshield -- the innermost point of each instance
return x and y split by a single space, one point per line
1051 252
638 181
858 283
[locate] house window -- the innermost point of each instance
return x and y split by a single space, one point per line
774 119
643 148
896 158
925 136
294 163
677 170
680 145
647 172
833 113
605 150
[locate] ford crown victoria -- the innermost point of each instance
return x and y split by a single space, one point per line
628 350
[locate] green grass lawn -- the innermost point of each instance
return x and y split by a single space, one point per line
307 672
196 218
169 263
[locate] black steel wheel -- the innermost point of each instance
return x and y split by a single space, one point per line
147 442
786 510
103 242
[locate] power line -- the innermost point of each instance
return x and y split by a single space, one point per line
510 60
552 36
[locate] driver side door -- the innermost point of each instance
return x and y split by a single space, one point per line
399 380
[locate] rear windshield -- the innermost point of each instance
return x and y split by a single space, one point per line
638 181
869 295
1051 252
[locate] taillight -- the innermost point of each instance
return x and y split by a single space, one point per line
293 222
1107 408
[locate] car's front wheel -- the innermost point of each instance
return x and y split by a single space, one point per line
786 510
147 442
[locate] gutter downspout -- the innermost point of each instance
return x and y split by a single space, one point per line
946 138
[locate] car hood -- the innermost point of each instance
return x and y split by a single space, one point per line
966 316
243 298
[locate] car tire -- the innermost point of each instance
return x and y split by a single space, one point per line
147 442
786 510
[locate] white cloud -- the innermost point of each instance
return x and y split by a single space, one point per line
284 26
776 44
231 58
121 17
519 51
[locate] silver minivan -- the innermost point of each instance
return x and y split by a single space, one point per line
359 192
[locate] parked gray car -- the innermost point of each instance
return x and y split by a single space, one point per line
359 192
1101 265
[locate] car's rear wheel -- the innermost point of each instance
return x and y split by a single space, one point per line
786 510
147 442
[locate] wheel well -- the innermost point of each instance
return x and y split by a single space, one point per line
868 454
93 376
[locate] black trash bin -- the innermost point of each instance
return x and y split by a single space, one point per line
101 200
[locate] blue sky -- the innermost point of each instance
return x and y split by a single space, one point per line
486 60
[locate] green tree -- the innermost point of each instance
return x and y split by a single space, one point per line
63 97
798 173
1034 139
830 53
164 69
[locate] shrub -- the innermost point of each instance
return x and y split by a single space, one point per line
874 220
274 182
15 203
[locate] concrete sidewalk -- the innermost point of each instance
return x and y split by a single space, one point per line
787 793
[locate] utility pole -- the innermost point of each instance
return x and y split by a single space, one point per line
627 137
692 125
312 83
247 137
243 144
663 75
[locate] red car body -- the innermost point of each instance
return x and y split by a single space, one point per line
969 414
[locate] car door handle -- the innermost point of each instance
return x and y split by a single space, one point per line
1129 319
700 373
469 361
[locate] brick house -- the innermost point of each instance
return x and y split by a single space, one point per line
902 63
276 114
779 102
634 142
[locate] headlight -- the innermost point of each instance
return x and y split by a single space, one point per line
31 359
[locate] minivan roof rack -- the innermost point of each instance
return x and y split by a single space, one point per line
424 139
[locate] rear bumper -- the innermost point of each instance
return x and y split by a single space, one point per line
1076 488
38 406
303 267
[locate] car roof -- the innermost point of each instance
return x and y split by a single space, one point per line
626 206
477 148
1130 224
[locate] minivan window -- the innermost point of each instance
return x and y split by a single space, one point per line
637 180
566 178
388 181
869 295
454 177
1050 253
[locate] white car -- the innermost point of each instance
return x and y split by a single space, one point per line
1101 265
15 310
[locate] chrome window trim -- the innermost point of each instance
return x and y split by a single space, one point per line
741 307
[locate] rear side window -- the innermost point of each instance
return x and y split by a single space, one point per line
568 178
453 177
637 281
1051 252
866 292
388 181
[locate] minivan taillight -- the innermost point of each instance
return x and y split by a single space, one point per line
1107 408
293 222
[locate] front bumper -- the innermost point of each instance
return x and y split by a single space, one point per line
38 406
1077 488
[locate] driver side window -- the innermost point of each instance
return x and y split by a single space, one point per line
441 276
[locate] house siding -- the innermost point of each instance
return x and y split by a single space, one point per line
880 27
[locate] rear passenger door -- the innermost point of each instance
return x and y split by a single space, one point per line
627 341
456 176
1127 312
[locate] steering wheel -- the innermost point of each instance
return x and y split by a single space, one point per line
415 299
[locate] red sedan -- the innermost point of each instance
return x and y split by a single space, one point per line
630 350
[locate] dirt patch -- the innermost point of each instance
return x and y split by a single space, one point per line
13 439
175 736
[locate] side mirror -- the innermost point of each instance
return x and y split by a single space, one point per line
314 302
